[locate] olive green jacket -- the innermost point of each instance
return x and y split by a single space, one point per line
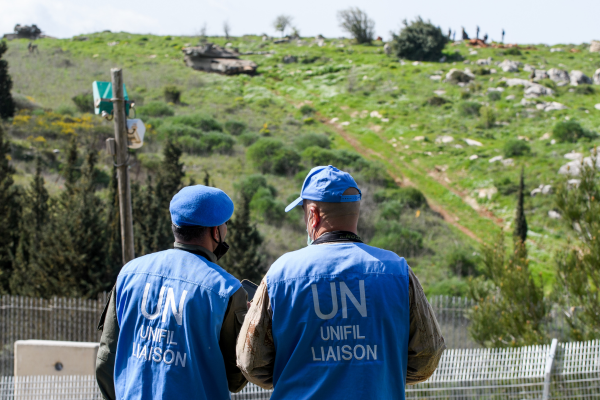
232 323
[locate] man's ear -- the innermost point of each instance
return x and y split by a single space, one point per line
214 232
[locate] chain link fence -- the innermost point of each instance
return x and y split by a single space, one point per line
548 372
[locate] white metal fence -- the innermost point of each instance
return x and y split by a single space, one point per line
549 372
24 318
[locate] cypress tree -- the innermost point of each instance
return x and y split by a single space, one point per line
169 181
245 259
9 213
114 255
30 276
520 232
151 204
7 104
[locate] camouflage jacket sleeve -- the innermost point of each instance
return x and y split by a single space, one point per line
105 360
425 341
255 348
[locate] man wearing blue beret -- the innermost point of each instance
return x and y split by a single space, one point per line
338 319
170 326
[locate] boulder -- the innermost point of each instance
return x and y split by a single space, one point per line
444 139
510 66
595 46
537 90
485 61
540 74
597 106
597 77
551 106
457 76
574 167
528 68
558 75
387 49
579 78
518 82
510 97
494 159
553 214
472 142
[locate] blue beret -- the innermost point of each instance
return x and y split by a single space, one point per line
200 206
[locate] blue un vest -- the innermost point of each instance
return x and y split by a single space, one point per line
170 308
340 323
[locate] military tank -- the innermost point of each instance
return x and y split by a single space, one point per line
214 58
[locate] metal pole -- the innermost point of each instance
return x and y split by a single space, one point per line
122 168
548 370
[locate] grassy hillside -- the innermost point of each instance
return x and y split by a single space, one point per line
338 97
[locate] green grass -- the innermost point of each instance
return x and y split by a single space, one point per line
348 82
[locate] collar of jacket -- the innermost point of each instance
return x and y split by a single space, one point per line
198 250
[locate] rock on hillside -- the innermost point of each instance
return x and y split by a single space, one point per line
457 76
597 77
579 78
595 46
558 75
510 66
531 89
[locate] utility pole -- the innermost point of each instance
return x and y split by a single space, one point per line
122 159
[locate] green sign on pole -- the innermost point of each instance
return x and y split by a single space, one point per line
103 94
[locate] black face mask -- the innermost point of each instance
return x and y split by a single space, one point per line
222 247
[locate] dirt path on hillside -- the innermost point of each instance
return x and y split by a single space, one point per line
447 215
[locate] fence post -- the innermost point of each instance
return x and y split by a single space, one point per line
548 371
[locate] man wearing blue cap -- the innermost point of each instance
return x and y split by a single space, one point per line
338 319
170 327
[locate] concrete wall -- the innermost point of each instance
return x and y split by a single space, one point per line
51 357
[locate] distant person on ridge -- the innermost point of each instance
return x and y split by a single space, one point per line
170 327
338 319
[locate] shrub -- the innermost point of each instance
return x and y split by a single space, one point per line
270 155
513 51
358 24
462 263
84 102
306 110
172 94
247 186
396 237
407 196
436 101
65 110
516 148
487 117
452 286
235 128
482 71
585 90
218 142
155 109
494 96
338 158
469 109
248 138
419 41
173 131
286 162
198 121
207 143
312 139
266 208
571 131
505 186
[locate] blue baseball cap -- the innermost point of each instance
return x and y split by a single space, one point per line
200 205
326 184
